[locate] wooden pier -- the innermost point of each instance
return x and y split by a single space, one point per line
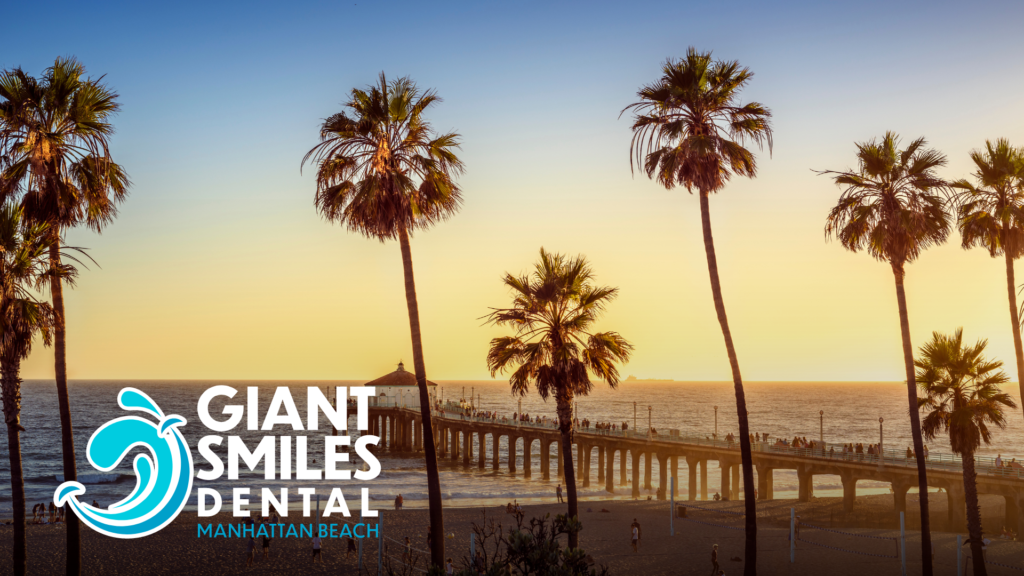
457 436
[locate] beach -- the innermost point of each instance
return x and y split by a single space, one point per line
605 537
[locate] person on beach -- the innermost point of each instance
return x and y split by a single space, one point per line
558 493
407 554
714 560
480 564
449 568
638 530
266 547
636 537
251 551
316 550
430 539
351 544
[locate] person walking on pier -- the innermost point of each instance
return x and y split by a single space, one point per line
558 493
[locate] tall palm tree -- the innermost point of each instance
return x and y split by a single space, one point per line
54 133
991 215
383 172
23 265
892 207
962 398
553 348
689 128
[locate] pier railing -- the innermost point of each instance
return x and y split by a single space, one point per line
829 451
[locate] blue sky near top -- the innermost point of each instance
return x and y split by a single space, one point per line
219 267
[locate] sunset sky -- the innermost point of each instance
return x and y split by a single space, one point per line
218 266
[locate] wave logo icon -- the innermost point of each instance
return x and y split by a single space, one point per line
163 476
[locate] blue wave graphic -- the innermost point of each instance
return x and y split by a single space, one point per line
163 476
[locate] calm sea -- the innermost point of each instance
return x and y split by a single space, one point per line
851 413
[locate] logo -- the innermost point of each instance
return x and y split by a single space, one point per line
163 476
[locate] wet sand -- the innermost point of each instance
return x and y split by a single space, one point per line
177 550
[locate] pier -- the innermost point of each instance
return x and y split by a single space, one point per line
466 438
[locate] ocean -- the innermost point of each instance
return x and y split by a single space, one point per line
781 409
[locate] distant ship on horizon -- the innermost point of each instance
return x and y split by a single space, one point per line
632 378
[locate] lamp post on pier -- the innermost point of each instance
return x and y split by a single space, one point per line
650 428
821 428
881 442
634 417
519 418
716 423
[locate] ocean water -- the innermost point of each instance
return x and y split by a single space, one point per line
781 409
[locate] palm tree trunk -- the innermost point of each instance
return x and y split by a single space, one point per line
429 449
750 504
973 513
12 415
67 436
565 427
915 422
1018 349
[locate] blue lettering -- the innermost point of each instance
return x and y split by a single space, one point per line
345 531
322 530
207 530
374 531
291 531
248 531
334 530
234 530
262 531
220 532
306 531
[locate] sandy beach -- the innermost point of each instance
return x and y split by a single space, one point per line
177 550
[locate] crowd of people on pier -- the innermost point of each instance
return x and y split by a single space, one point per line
759 440
607 426
1013 464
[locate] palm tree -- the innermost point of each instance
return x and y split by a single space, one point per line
991 215
54 133
553 348
23 265
689 128
962 399
891 207
384 173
